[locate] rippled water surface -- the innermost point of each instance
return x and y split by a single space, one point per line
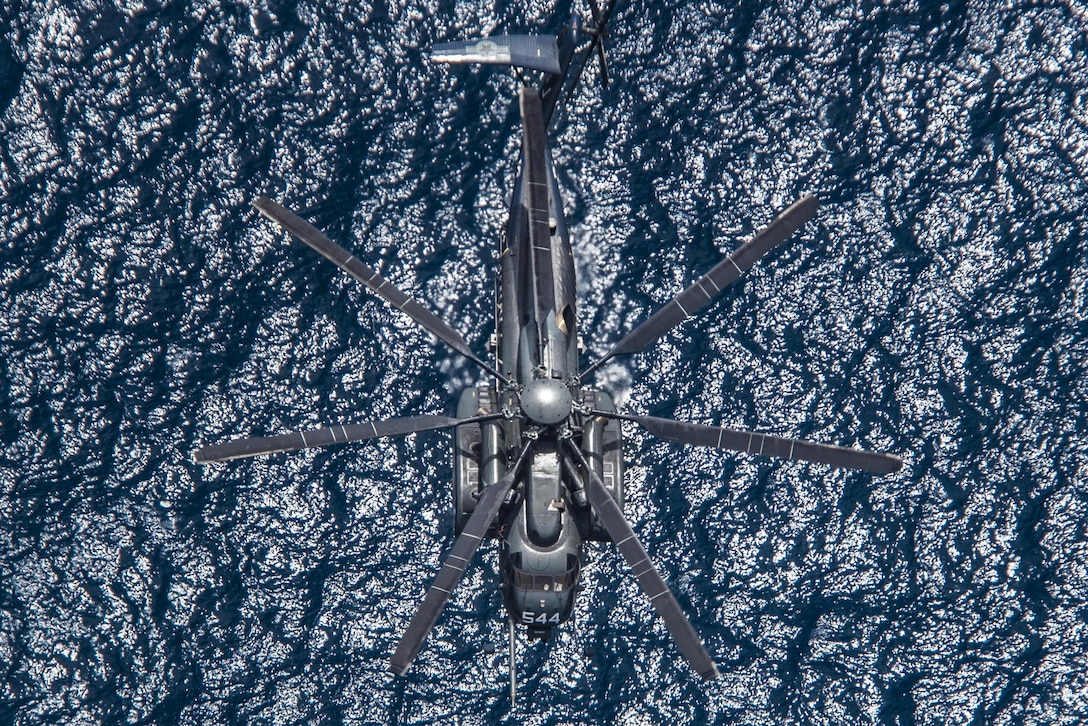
936 308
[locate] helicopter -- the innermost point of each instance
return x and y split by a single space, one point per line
537 453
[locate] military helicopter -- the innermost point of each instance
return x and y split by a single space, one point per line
538 459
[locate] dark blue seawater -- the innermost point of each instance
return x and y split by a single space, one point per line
937 307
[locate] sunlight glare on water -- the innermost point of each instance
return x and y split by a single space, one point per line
934 308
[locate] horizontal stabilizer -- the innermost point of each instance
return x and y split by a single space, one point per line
541 53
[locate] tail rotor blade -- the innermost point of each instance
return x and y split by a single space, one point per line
606 16
341 434
604 63
750 442
649 579
707 287
454 567
599 32
316 240
578 76
602 35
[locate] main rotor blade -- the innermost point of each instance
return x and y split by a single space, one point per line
750 442
342 434
707 287
649 579
316 240
453 567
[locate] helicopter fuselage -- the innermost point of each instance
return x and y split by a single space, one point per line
546 517
538 459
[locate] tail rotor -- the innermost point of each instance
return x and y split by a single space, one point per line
599 32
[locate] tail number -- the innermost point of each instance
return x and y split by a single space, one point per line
529 618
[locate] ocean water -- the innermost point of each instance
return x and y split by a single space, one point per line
935 308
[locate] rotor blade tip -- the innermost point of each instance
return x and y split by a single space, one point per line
264 205
208 455
809 202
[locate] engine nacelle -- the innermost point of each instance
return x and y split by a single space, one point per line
480 453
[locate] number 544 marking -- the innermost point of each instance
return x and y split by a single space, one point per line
539 618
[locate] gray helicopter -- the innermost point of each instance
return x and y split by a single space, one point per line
538 459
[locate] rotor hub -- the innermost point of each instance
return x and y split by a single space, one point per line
546 401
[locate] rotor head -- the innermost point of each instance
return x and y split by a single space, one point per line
547 401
